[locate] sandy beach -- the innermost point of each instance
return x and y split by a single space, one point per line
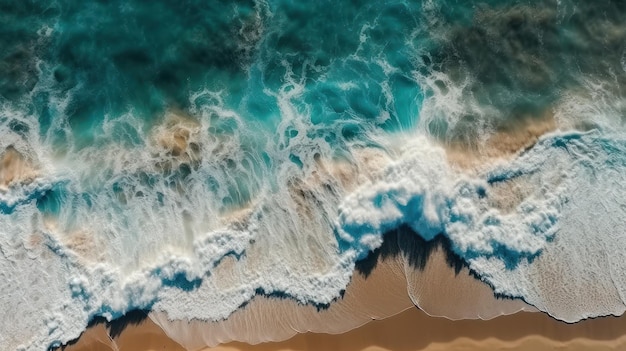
411 330
357 322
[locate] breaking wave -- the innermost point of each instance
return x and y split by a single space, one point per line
185 158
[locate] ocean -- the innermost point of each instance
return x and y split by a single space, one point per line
184 157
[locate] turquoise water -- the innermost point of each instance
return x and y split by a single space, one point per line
109 58
113 57
143 143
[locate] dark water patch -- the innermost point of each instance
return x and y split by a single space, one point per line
180 281
21 42
109 57
281 295
510 53
47 198
520 57
404 241
114 327
134 317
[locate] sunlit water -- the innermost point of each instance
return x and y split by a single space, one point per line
145 143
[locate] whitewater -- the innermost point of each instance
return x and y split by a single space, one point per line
186 158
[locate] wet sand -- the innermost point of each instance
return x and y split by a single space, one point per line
408 331
15 168
386 293
395 282
390 287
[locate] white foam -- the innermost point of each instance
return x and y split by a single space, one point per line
122 241
283 243
579 274
129 235
560 248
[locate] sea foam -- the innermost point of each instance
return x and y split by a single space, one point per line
503 247
187 181
516 250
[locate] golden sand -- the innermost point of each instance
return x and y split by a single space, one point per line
411 330
382 294
15 168
177 134
392 287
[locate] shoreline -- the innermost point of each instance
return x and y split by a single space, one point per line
378 312
407 331
388 288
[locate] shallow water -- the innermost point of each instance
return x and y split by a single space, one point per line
186 156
